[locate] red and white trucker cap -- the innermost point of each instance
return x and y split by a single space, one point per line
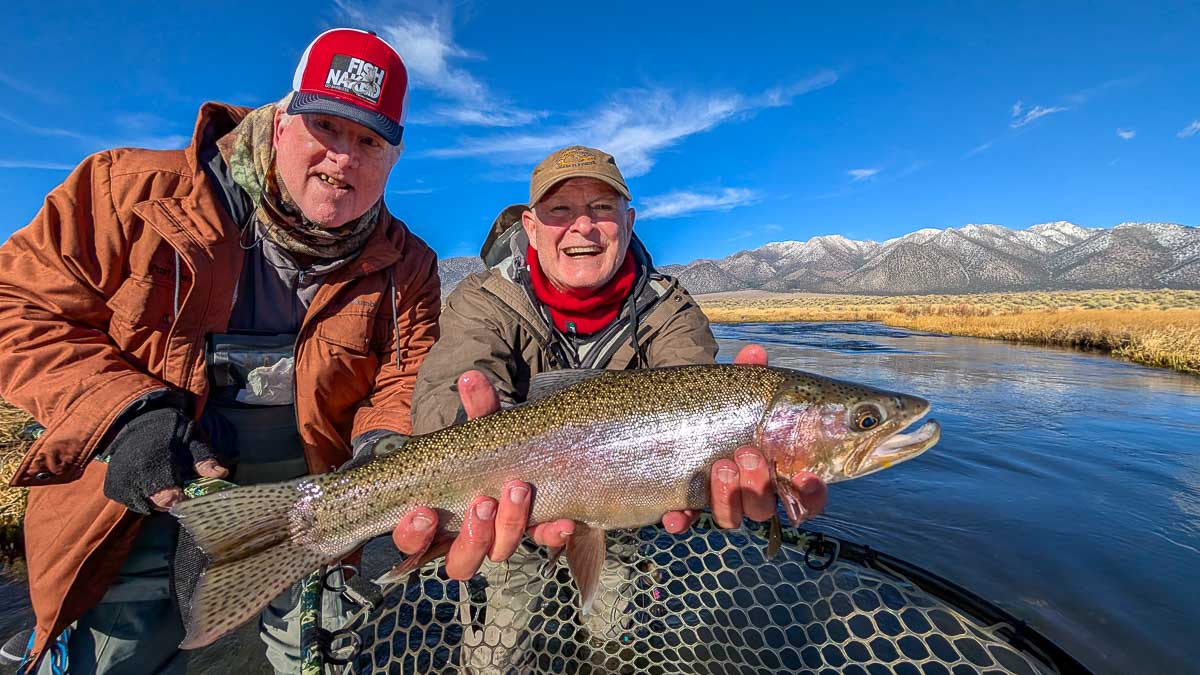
356 75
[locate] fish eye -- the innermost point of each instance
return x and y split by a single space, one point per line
866 416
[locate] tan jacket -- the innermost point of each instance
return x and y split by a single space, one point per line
108 295
490 322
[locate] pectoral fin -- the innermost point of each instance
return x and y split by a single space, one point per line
796 512
585 558
436 549
776 538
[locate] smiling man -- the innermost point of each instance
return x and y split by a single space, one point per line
246 308
568 285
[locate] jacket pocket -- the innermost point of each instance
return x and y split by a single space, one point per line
350 330
139 305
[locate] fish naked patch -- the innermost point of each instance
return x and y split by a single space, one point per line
355 76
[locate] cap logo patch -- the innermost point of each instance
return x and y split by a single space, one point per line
355 76
573 158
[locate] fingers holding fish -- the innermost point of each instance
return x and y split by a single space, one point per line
511 520
726 494
678 522
474 541
751 355
209 468
477 394
755 484
164 499
553 534
415 531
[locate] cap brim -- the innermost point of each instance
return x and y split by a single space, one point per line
303 103
622 190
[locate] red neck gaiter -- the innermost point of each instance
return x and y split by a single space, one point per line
582 311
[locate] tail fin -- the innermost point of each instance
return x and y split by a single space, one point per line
246 534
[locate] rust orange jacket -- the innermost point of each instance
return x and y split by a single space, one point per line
108 295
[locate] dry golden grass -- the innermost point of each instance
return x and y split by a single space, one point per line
13 422
1158 328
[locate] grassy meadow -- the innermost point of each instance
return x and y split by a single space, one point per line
1157 328
12 500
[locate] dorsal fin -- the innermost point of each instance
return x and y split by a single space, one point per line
551 382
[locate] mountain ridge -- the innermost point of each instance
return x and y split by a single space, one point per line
976 257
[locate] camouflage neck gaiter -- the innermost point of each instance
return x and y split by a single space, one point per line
250 154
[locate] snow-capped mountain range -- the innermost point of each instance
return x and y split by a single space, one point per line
967 259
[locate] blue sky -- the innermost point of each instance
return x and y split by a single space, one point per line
736 123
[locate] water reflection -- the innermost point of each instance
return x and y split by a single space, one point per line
1066 486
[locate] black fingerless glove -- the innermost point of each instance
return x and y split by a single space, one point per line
152 452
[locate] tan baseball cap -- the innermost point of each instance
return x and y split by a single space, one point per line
575 161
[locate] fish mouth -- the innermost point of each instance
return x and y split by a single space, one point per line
898 447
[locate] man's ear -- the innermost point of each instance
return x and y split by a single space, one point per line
529 224
632 216
277 128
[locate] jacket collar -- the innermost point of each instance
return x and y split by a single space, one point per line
508 279
205 219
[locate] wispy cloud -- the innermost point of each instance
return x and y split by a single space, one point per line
862 174
979 148
41 94
868 181
681 203
633 125
432 57
1126 134
1083 96
772 227
1034 113
412 191
1016 109
744 234
40 130
1190 130
135 133
32 164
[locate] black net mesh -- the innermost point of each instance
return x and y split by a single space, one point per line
704 602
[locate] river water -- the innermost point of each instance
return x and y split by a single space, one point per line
1066 487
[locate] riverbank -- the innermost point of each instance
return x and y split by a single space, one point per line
13 422
1156 328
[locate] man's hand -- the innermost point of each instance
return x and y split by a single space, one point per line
491 527
147 460
163 500
742 487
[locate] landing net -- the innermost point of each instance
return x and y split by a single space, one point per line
706 601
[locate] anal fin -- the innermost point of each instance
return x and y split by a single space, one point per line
585 558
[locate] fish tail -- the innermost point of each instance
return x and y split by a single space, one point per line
252 556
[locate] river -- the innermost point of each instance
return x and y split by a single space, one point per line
1066 486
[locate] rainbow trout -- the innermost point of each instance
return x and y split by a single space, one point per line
609 449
